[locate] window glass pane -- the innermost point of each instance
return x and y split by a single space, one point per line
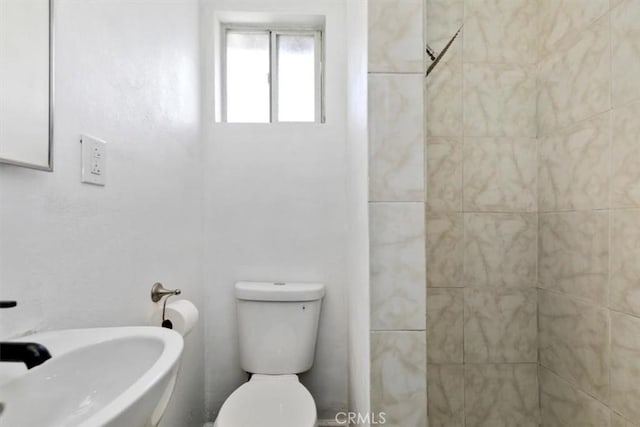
247 77
296 78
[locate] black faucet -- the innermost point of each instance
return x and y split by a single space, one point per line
30 353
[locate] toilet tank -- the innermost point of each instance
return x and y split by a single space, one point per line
278 326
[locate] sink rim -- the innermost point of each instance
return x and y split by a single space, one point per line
63 342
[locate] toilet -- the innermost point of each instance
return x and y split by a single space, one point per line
277 330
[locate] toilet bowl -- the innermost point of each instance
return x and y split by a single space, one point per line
269 401
277 330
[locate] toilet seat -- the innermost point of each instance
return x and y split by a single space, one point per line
269 401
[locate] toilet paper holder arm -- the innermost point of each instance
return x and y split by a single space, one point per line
158 292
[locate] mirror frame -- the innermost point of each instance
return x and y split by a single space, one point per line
49 167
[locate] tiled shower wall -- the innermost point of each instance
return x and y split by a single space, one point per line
532 213
397 211
589 203
482 215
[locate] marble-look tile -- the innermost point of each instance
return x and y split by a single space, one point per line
574 84
562 21
618 421
500 250
500 174
625 52
500 325
625 155
444 18
444 325
445 249
625 365
396 138
444 98
625 261
499 31
574 342
395 36
574 254
502 395
573 170
499 100
563 405
398 377
397 266
445 390
444 174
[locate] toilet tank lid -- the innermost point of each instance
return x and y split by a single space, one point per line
279 291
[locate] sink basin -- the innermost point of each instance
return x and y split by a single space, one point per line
96 377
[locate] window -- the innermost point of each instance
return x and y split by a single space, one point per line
271 75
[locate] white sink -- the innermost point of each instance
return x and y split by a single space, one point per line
113 377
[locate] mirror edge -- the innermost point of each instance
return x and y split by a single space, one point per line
49 167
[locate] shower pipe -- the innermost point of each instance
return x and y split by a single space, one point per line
436 58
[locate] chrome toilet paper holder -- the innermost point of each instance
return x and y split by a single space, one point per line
157 293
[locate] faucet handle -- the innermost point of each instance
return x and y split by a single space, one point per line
8 304
158 292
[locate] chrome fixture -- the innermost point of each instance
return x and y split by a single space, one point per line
436 58
158 292
432 54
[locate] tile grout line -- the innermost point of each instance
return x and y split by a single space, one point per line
464 216
610 215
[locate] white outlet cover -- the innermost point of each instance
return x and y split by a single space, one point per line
94 160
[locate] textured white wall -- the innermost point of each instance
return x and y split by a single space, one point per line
275 207
77 256
276 210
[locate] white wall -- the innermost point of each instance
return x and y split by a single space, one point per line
276 210
77 256
357 196
275 205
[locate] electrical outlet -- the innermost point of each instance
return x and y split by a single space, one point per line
94 160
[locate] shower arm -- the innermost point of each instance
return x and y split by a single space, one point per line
436 58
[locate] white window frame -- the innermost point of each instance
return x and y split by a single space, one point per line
274 32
